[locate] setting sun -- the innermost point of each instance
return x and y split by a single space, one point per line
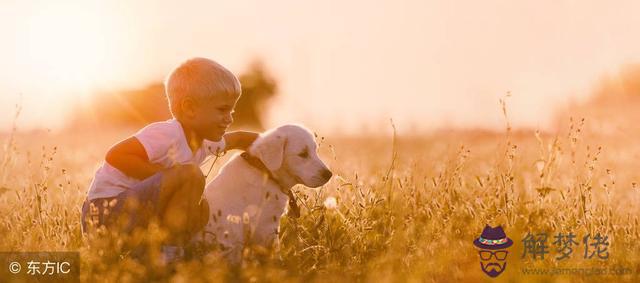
66 49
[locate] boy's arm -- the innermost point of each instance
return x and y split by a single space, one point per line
130 157
239 139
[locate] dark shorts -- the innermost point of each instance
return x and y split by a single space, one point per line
105 211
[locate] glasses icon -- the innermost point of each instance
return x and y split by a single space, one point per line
499 255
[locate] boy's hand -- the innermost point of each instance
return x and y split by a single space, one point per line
239 139
130 157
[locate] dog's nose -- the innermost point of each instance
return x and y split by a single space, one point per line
326 174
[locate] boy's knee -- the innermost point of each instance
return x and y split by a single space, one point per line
185 174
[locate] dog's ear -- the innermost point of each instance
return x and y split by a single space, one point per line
271 151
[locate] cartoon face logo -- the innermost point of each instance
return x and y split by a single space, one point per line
493 254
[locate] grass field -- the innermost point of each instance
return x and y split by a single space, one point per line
408 207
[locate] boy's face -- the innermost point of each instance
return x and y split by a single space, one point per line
209 118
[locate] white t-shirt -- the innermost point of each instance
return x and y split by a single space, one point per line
165 144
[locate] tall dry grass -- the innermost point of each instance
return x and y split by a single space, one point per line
407 207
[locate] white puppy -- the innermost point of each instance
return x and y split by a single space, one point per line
249 195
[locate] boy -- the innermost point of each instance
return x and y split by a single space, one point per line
156 172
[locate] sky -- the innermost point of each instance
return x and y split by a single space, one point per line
341 65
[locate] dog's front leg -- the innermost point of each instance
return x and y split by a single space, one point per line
233 255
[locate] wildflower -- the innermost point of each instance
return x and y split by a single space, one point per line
540 166
330 203
234 218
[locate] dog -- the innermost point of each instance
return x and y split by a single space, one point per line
249 195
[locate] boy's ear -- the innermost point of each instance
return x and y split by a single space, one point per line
188 107
270 151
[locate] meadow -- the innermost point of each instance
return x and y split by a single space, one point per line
407 207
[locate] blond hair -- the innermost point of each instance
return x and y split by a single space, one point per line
199 78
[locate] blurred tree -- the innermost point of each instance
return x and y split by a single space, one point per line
258 87
611 108
136 108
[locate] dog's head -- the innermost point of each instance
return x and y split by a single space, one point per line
289 152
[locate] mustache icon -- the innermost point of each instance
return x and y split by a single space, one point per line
495 266
492 269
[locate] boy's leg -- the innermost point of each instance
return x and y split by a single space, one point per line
181 208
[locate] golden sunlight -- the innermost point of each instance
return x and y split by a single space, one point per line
66 49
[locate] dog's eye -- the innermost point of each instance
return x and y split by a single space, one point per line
304 154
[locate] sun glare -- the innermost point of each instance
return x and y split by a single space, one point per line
66 47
